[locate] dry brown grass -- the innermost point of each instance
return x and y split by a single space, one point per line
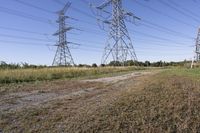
48 74
164 103
170 104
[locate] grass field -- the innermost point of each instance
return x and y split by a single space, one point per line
30 75
168 102
160 101
191 73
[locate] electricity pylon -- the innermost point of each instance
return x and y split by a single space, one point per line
119 47
63 55
198 46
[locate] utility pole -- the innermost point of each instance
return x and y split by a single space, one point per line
198 46
119 47
63 55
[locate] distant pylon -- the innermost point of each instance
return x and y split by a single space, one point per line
119 47
198 46
63 55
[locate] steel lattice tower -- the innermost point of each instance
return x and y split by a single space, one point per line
119 47
198 46
63 55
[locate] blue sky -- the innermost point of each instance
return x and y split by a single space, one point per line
171 40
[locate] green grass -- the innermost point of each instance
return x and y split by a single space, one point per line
192 73
30 75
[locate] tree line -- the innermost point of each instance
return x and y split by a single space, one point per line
4 65
148 63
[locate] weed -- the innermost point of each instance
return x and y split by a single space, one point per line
30 75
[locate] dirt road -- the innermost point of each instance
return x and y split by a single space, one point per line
60 104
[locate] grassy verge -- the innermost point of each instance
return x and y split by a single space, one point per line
30 75
192 73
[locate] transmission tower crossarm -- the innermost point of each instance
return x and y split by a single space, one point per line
132 15
108 2
63 31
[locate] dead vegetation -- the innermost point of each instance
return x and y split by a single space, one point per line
151 102
165 104
8 76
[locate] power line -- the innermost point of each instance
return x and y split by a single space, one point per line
59 2
83 12
23 43
81 45
98 32
139 52
85 2
87 31
94 31
82 40
167 30
25 15
184 9
78 11
22 30
197 2
33 6
164 14
75 9
156 43
145 22
149 35
178 10
26 31
98 47
26 38
150 56
156 37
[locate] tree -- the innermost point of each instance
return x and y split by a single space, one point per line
102 65
94 65
115 63
147 63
